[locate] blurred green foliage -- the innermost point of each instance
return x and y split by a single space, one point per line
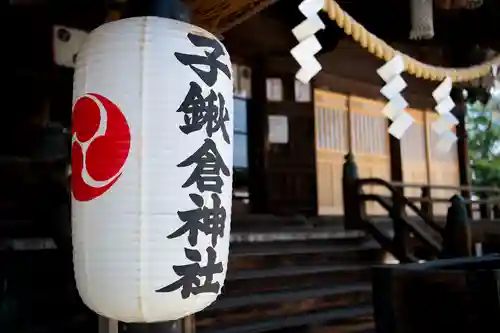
484 145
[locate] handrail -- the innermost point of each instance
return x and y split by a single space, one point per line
405 201
472 188
388 244
467 201
414 229
356 217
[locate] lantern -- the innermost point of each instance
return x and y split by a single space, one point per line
422 19
151 169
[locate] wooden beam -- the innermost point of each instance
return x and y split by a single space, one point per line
257 133
355 87
349 124
396 160
427 148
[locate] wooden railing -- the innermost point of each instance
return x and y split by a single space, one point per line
485 203
438 239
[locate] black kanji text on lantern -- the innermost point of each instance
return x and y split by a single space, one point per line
209 166
210 221
199 111
210 59
189 282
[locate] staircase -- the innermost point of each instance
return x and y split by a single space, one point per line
420 237
300 279
305 275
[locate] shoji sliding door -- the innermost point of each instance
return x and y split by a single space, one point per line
365 130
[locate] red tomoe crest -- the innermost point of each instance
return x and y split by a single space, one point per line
100 146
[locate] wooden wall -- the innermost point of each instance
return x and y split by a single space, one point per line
305 174
365 131
343 121
282 176
424 164
370 144
444 168
290 167
414 155
331 133
342 76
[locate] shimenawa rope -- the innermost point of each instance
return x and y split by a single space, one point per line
382 50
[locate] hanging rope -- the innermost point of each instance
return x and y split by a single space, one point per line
382 50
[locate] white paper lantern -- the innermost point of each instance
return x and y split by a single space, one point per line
152 169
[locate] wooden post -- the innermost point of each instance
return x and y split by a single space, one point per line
485 209
427 139
457 239
496 211
258 139
460 111
107 325
349 124
354 209
189 324
426 205
396 160
428 167
401 232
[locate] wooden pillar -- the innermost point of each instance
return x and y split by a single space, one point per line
107 325
427 148
456 54
349 124
457 239
401 232
354 209
257 139
427 207
396 160
460 112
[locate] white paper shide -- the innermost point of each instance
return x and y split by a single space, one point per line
442 126
305 52
151 169
391 72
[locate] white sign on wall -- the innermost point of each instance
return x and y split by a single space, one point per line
274 89
278 129
302 92
245 81
242 81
